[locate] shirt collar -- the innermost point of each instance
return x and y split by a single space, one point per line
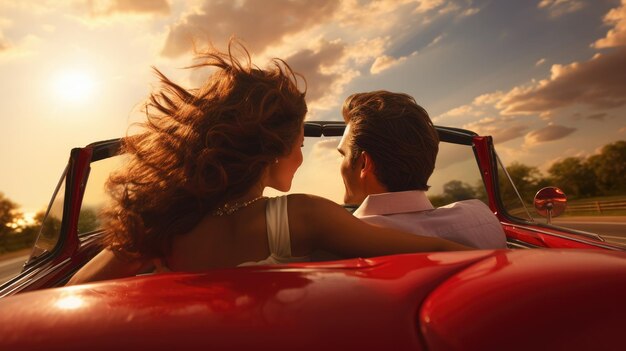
396 202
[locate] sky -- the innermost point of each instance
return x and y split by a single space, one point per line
545 78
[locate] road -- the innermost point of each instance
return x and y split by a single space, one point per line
612 229
11 267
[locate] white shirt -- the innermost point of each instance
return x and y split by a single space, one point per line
468 222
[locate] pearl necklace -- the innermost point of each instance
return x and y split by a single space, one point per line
230 209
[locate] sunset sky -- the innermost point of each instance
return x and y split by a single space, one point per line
545 78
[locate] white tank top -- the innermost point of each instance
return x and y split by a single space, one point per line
278 234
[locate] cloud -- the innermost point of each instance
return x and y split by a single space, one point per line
326 149
114 7
481 106
26 46
435 41
598 83
428 5
550 133
597 116
306 34
470 12
390 13
364 50
384 62
558 8
617 35
319 68
5 45
259 23
540 62
502 129
329 66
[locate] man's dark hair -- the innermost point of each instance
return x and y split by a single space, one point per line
398 135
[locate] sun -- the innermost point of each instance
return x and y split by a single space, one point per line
74 86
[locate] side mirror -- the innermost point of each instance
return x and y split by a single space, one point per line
550 202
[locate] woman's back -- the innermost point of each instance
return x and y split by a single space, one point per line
222 241
256 233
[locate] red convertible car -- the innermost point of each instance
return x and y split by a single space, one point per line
554 288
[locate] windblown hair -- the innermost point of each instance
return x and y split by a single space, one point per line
201 148
398 135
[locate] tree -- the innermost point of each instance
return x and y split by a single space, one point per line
9 216
610 168
88 220
481 192
574 176
458 191
439 200
527 180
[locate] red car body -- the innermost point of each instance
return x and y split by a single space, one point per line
553 289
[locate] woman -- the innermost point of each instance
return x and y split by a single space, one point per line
191 197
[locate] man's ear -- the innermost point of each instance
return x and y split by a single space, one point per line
367 164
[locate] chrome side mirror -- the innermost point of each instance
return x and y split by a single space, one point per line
550 202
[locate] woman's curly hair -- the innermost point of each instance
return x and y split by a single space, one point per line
201 148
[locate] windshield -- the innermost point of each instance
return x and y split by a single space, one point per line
51 225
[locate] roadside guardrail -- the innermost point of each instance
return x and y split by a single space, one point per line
596 206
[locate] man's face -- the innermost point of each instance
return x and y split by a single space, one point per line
355 191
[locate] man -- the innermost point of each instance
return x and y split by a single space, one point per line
389 149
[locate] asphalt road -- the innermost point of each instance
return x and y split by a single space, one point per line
612 229
11 267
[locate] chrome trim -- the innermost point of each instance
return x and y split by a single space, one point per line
561 236
593 235
26 280
518 244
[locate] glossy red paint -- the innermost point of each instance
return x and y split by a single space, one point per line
549 238
524 299
483 146
531 300
78 179
367 304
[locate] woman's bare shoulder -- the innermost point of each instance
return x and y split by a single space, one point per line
312 207
308 204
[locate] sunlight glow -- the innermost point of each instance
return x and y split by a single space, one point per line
74 86
29 218
69 303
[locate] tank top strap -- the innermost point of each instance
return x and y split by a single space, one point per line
277 221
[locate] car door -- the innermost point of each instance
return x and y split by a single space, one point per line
64 243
